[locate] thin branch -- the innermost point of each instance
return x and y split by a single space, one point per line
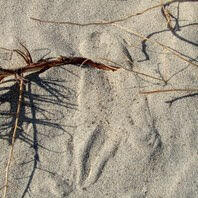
167 90
166 13
98 22
107 22
13 137
134 71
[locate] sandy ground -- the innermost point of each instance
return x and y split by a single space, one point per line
86 132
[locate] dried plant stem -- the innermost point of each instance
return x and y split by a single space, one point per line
98 22
135 72
106 22
167 90
40 67
166 13
21 83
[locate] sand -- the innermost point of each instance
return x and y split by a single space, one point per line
90 133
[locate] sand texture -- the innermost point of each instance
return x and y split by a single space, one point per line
85 132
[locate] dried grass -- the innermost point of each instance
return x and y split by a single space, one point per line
168 17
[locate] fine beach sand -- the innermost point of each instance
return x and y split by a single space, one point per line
90 133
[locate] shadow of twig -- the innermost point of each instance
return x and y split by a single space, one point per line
170 102
33 112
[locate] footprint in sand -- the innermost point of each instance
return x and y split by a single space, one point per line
105 106
97 138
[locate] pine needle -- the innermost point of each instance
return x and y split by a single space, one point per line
97 22
168 90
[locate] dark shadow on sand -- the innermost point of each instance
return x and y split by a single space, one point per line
56 94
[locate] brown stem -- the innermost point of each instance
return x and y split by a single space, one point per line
13 138
167 90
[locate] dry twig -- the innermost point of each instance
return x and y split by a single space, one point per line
39 66
21 86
